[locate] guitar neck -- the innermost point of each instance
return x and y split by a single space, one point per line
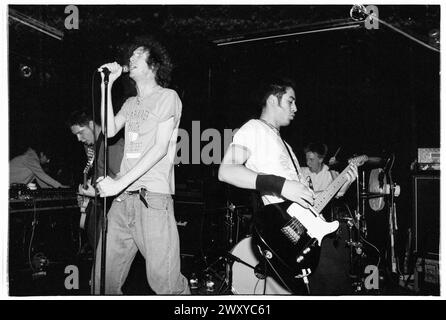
324 197
84 184
90 157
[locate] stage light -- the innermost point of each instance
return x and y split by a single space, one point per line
434 38
25 71
358 12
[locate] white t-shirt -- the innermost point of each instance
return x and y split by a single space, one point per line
141 124
320 180
268 154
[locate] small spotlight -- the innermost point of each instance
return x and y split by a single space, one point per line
25 71
434 37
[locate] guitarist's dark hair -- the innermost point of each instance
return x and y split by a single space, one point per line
80 118
275 86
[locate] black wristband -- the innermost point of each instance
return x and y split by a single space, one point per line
270 183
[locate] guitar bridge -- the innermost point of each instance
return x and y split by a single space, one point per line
293 230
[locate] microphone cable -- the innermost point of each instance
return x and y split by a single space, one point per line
363 10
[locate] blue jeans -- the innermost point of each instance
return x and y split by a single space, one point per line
153 231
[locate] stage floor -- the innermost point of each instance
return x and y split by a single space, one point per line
209 272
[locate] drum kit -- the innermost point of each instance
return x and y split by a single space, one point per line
243 261
375 192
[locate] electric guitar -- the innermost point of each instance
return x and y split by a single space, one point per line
85 200
290 236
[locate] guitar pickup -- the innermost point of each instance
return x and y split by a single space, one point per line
293 230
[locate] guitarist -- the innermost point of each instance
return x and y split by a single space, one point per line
259 159
89 133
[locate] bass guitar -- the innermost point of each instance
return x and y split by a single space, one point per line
289 235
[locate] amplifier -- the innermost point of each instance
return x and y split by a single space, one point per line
426 209
22 192
190 218
431 271
428 155
427 276
22 199
189 190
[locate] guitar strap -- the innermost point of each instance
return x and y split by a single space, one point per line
291 157
286 146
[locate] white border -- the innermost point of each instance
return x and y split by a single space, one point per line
4 163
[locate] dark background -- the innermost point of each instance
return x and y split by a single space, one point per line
367 91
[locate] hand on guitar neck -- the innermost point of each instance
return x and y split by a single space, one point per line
311 218
351 175
87 190
85 193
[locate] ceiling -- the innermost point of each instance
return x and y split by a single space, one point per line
368 75
210 22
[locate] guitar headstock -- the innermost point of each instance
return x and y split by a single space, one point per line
359 161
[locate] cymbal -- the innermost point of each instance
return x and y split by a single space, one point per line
371 194
233 207
372 162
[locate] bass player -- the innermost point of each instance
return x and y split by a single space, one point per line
259 159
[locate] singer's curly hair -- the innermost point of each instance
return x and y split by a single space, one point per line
158 58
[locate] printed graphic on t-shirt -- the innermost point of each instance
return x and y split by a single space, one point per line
135 118
141 127
138 124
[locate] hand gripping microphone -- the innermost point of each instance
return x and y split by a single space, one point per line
125 69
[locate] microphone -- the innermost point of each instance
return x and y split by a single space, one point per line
125 69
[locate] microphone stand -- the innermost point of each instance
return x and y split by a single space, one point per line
104 208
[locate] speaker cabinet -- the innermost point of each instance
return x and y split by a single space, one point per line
190 217
426 200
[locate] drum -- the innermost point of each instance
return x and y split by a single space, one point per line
376 187
244 280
